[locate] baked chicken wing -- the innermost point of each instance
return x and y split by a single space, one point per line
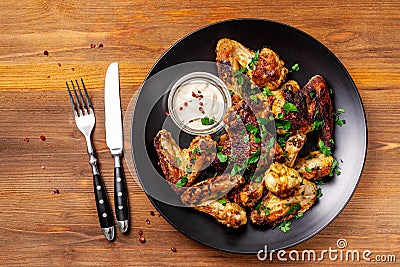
315 166
273 210
265 68
177 163
225 212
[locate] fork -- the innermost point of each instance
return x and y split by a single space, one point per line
85 121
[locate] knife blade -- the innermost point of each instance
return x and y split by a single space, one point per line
114 140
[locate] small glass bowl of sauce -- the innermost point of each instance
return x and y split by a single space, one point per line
198 102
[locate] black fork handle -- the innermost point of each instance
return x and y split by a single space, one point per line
103 206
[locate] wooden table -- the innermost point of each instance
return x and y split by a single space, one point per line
39 227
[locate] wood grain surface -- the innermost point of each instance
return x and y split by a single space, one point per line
41 228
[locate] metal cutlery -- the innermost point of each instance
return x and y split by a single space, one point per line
114 139
85 121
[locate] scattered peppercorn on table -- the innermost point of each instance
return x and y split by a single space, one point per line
47 209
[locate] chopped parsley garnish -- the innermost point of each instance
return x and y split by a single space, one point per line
246 138
307 169
257 179
285 226
254 60
270 143
288 107
244 70
334 168
188 170
324 149
254 157
283 124
267 92
235 170
293 208
262 122
337 119
257 139
222 201
239 77
319 182
207 121
316 125
178 160
252 129
296 67
261 208
182 182
319 193
221 157
197 150
282 140
299 215
312 94
254 98
219 148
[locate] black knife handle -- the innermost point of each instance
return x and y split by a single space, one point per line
103 205
120 196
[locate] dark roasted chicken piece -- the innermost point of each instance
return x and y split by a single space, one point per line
210 189
225 212
319 107
289 94
273 210
268 69
315 166
248 195
177 163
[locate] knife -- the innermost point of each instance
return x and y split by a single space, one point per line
114 139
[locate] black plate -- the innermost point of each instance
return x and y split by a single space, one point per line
293 46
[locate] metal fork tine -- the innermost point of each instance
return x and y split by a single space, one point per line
71 97
86 94
77 99
84 106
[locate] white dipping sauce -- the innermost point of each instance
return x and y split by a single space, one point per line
195 99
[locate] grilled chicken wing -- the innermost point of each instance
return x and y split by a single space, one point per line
247 195
281 180
319 107
177 163
290 105
265 68
273 210
210 189
225 212
314 167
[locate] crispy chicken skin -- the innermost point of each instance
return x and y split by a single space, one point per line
299 120
247 195
281 180
315 166
273 210
210 189
176 162
269 70
230 214
319 106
